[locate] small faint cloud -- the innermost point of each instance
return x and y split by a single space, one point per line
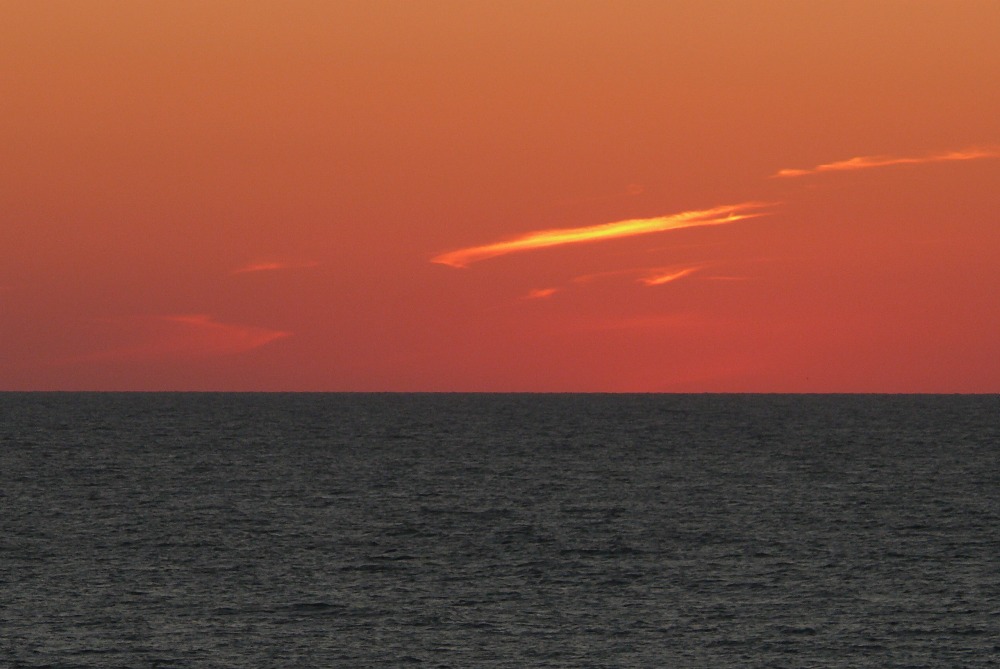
541 293
273 265
870 162
594 233
667 276
653 276
635 189
183 336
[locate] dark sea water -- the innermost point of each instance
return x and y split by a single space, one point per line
330 530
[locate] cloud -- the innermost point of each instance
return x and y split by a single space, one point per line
270 266
540 293
602 232
654 276
184 336
662 277
869 162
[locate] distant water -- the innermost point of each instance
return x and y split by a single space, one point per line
274 530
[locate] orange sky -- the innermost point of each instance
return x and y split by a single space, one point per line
312 195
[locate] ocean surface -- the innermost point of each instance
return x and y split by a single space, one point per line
399 530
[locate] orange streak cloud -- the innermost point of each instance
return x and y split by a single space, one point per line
540 293
594 233
271 266
667 277
869 162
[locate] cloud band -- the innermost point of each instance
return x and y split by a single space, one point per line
869 162
605 231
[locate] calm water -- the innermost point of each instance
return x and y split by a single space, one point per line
225 530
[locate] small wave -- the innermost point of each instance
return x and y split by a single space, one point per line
313 607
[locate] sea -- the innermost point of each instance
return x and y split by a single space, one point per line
499 530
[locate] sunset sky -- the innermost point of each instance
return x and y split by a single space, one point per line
666 195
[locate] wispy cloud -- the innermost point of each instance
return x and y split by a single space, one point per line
869 162
540 293
648 276
184 336
666 276
273 265
605 231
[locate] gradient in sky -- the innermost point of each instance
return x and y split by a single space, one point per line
500 196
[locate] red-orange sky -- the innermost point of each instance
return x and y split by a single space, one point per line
376 195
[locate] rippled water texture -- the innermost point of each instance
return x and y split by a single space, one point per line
204 530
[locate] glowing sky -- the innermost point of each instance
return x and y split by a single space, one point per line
500 196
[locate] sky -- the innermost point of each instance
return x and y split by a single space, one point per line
521 195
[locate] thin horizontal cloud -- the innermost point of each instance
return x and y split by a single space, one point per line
653 276
540 293
602 232
668 276
270 266
185 336
870 162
